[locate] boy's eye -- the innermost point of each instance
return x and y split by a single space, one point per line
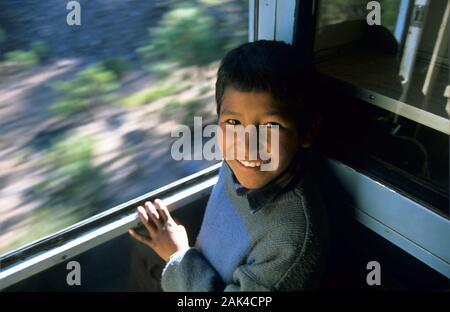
232 122
271 124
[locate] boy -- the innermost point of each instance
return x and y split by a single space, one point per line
262 230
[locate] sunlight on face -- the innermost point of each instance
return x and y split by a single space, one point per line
256 108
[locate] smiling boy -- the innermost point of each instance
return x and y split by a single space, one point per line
262 230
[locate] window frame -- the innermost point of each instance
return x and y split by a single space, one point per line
53 249
371 203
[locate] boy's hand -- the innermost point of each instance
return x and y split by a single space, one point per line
166 236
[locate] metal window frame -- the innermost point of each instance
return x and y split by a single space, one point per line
423 234
38 256
272 20
410 112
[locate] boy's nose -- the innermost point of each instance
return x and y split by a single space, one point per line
251 147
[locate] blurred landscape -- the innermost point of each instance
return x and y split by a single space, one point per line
86 111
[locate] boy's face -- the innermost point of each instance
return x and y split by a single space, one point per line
256 108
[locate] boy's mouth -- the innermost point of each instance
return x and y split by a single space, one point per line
252 164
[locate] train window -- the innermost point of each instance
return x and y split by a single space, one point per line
87 107
334 12
401 67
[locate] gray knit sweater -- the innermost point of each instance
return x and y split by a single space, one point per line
275 243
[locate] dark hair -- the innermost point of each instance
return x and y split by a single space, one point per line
270 66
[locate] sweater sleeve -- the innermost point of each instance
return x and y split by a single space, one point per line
276 263
281 261
188 270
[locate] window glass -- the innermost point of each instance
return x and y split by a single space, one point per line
89 95
338 11
404 58
400 66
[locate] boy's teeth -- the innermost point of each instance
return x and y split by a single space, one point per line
250 164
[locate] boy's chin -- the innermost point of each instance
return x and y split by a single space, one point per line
251 179
254 183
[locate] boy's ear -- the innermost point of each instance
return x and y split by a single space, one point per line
307 139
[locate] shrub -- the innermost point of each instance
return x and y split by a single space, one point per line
90 88
73 181
23 58
41 50
37 54
118 65
151 94
185 36
182 111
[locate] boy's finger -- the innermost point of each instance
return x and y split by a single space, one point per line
148 223
142 212
145 240
153 214
162 209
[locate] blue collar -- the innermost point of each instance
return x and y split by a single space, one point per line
257 198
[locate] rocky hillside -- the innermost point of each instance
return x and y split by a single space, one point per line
107 26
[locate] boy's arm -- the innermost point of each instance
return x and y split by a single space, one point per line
279 263
188 270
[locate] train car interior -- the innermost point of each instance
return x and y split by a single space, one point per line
382 162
